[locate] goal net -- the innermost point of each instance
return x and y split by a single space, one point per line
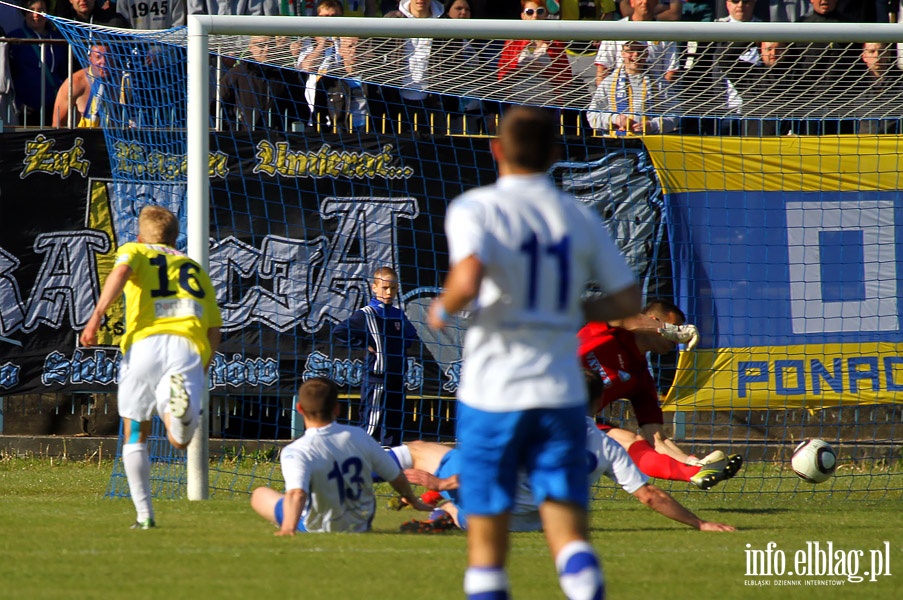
323 149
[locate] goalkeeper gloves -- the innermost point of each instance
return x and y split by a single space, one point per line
680 334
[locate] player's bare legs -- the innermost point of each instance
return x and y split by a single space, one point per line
427 455
263 501
487 540
562 523
136 463
579 571
487 549
167 419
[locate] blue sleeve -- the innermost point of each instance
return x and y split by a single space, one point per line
352 331
410 332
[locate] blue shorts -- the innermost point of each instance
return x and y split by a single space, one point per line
448 466
548 444
279 514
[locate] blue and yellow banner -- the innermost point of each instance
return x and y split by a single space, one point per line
787 257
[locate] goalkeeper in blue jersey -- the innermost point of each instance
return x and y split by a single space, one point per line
386 333
172 330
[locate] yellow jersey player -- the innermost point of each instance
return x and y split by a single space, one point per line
172 330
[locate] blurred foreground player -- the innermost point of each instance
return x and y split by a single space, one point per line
524 252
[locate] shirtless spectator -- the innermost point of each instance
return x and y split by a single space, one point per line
89 88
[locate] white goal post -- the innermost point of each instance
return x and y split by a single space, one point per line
201 27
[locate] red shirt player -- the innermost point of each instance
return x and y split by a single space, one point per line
616 355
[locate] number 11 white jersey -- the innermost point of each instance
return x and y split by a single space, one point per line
334 466
539 248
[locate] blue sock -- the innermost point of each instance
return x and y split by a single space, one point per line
579 573
486 583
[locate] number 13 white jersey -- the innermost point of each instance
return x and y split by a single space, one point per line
539 248
334 466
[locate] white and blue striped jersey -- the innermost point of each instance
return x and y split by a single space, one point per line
333 465
539 248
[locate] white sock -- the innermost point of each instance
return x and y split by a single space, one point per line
403 456
579 573
136 462
486 582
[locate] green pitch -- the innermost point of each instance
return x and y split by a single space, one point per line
60 538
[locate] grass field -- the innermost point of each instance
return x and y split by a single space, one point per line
60 538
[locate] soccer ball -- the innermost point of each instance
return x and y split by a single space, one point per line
814 461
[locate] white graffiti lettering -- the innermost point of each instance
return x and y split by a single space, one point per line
97 367
67 283
345 371
9 375
12 309
241 371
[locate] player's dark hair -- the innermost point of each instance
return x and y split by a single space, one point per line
333 4
318 397
529 137
383 272
664 307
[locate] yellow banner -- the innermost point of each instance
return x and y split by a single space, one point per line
101 219
789 163
813 376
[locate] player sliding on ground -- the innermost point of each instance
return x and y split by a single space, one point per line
436 467
172 330
327 471
617 355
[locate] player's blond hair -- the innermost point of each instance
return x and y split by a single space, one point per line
317 397
157 225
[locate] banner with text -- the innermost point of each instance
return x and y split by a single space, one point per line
298 224
787 255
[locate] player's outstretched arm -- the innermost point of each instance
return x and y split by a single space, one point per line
461 287
664 504
619 305
291 511
401 485
430 481
112 289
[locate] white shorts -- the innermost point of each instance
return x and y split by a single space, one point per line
154 370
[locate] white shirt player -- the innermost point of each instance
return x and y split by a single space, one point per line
539 247
333 466
152 14
605 456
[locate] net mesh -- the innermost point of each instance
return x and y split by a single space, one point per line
781 83
319 176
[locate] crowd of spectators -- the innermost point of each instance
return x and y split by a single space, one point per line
639 85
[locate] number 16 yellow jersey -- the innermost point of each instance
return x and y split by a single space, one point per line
167 292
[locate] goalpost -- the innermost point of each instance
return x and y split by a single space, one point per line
200 27
342 197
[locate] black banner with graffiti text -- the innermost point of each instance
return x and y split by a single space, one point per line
297 226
